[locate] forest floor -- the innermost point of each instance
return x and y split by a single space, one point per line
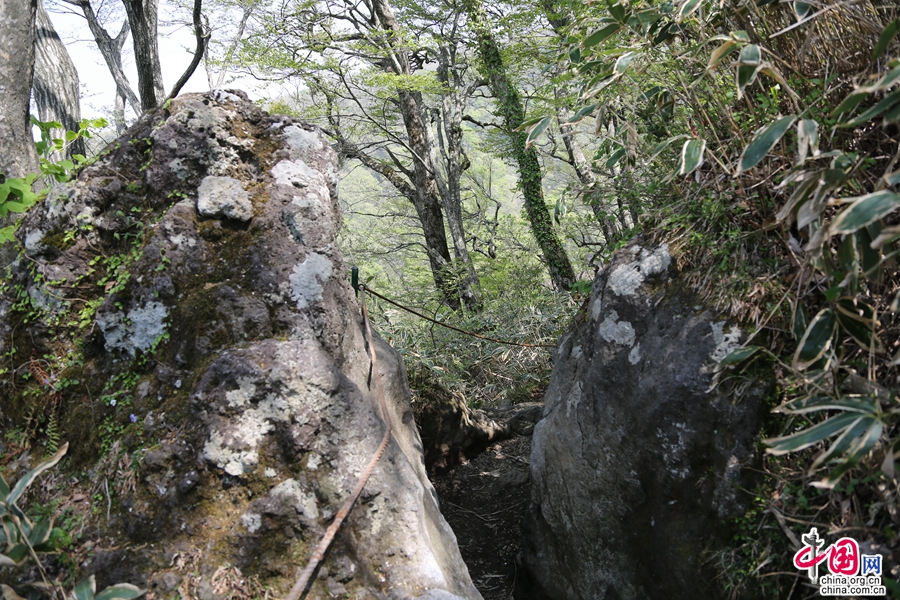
484 500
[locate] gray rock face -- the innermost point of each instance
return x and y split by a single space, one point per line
635 463
201 303
223 197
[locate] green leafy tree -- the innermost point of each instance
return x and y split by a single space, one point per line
372 96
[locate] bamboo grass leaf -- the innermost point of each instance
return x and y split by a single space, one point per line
844 441
535 131
739 355
764 140
687 9
618 12
623 61
799 322
85 589
615 157
864 210
892 115
582 112
807 139
812 435
860 449
29 477
40 533
18 553
601 35
862 405
665 144
692 156
850 102
720 53
886 103
885 38
749 65
8 592
802 9
816 341
120 591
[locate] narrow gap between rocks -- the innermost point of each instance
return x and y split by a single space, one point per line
484 501
479 463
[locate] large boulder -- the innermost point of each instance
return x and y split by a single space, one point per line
186 299
637 465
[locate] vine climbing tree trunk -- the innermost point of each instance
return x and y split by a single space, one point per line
512 111
55 89
17 153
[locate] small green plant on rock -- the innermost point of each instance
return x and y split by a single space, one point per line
16 193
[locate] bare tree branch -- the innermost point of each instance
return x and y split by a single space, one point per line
202 41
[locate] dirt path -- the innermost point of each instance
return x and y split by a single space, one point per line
485 500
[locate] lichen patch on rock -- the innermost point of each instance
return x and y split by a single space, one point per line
307 279
626 278
726 343
139 329
619 332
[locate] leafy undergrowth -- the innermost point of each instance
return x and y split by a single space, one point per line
738 260
485 373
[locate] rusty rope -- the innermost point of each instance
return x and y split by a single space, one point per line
319 554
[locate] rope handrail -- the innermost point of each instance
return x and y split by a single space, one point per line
319 554
303 579
363 286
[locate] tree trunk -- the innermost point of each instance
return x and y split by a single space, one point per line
449 128
232 46
111 49
428 204
427 201
142 16
119 113
427 209
588 179
55 87
512 111
17 153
